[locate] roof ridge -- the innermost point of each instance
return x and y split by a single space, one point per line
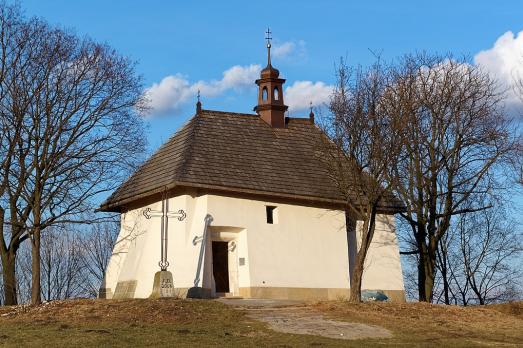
228 113
304 120
299 118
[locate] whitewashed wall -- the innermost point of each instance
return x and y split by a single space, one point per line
305 248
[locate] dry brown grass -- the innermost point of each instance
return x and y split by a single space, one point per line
422 323
89 310
184 323
141 323
511 308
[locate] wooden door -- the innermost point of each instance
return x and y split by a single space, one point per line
220 266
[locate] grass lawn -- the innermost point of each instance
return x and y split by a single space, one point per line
427 325
197 323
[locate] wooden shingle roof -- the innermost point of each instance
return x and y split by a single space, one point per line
235 152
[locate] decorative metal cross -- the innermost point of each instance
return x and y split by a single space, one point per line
165 214
268 37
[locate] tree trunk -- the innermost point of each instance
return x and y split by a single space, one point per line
425 277
475 289
443 261
9 277
446 288
366 239
35 237
355 281
426 265
429 283
36 297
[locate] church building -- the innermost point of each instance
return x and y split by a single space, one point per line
240 205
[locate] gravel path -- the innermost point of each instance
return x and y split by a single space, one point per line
295 318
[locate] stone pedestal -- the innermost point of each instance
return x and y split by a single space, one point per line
163 285
198 292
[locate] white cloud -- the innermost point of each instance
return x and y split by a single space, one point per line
301 93
169 94
504 61
284 49
174 90
288 49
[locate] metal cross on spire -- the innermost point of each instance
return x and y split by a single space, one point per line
165 214
268 38
198 103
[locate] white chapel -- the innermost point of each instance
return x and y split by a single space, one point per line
240 205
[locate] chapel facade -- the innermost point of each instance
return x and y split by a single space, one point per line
261 217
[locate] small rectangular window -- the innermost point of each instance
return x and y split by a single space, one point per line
271 214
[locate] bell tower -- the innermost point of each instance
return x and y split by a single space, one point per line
270 93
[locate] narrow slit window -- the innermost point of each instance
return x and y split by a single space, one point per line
276 93
271 214
264 94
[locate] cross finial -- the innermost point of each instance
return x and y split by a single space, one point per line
268 38
311 114
198 104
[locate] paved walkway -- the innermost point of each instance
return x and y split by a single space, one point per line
296 318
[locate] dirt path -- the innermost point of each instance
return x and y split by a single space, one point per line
295 318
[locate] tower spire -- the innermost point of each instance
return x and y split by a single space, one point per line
270 92
311 114
268 38
198 103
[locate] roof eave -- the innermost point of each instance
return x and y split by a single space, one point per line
117 205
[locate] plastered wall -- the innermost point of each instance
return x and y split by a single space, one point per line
306 247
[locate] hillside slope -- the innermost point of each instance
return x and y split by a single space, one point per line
170 322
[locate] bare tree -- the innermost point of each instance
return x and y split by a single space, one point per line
480 259
15 44
97 245
73 260
72 102
449 121
63 264
358 161
485 256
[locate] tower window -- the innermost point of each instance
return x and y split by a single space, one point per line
276 93
272 217
264 94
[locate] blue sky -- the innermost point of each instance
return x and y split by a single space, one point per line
191 44
193 41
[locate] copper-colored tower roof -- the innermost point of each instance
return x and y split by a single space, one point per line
271 106
269 71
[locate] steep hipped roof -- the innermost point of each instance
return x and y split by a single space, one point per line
239 153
